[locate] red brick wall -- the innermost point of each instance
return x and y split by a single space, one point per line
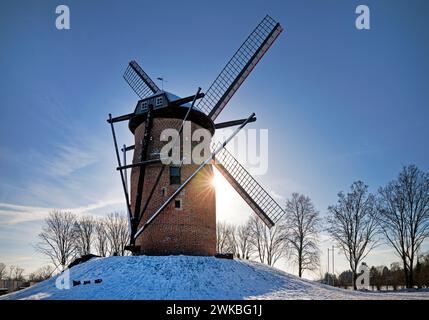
190 230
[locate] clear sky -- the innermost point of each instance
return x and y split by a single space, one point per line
340 104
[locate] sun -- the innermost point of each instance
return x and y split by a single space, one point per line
218 181
230 206
224 191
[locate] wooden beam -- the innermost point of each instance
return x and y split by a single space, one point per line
138 164
120 118
128 148
232 123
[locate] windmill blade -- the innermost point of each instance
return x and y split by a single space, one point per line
248 188
139 81
239 67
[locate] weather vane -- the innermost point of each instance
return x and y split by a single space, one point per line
162 82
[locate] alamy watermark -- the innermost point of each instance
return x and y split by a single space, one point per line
62 22
62 282
362 21
249 147
362 280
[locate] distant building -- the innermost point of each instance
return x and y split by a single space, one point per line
7 286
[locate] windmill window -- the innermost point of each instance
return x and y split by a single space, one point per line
164 191
175 175
144 105
159 101
178 204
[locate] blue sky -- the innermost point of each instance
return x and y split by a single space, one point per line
340 104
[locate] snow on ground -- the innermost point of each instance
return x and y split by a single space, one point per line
186 277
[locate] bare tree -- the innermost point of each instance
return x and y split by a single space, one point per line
422 271
83 235
56 238
267 243
16 273
41 274
221 238
101 240
302 223
225 238
257 238
275 244
243 241
404 216
12 272
2 270
352 224
232 239
397 275
117 233
345 279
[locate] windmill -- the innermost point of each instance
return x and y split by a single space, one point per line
172 208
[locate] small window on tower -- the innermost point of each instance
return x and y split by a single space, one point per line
159 101
178 204
144 105
163 191
175 175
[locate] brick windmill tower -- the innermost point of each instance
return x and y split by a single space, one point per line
171 206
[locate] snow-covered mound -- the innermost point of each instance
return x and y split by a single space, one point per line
184 277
